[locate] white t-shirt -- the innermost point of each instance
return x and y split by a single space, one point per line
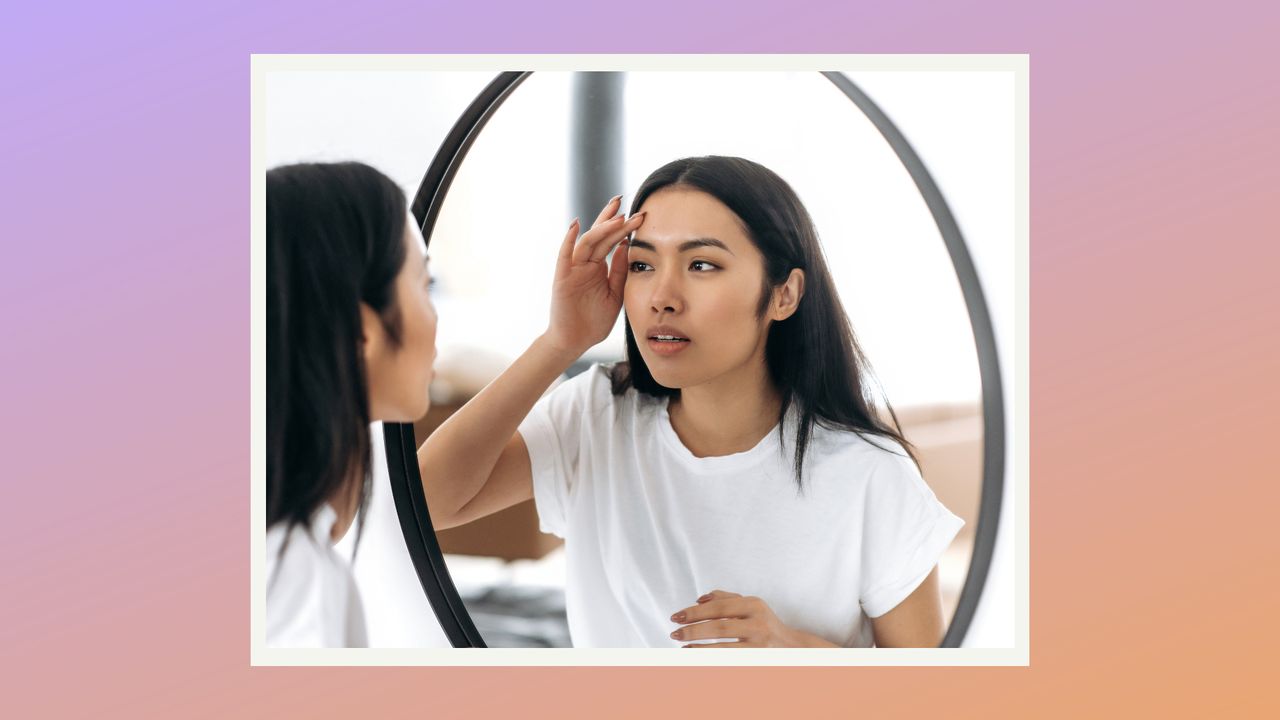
312 599
649 527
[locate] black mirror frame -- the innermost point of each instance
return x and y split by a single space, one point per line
402 457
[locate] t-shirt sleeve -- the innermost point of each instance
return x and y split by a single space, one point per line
905 531
552 432
295 592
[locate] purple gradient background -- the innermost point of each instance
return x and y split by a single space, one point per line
1155 345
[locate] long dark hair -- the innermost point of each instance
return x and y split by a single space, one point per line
335 238
813 356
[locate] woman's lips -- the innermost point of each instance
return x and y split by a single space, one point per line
667 348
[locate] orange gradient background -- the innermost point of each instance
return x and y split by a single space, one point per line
1154 350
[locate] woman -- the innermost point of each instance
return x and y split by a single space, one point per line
350 340
731 481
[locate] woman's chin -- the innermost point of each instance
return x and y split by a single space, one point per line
407 414
420 411
671 381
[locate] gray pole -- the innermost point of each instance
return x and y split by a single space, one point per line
595 143
595 153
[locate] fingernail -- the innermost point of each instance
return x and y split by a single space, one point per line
678 617
616 198
575 222
675 635
704 598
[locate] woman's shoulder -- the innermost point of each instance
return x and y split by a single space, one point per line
297 562
885 471
295 583
857 448
311 596
308 584
603 385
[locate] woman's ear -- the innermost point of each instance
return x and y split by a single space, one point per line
372 335
786 297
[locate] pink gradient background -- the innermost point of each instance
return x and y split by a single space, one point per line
126 418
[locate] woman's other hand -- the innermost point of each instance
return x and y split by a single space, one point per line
587 294
750 620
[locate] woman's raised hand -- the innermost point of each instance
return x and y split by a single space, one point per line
587 294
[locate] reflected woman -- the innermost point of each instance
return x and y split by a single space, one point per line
732 483
350 340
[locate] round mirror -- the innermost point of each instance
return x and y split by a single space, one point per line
535 150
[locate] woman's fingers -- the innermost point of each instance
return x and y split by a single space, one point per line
610 209
586 244
725 607
599 240
734 644
711 630
618 268
718 614
570 238
601 250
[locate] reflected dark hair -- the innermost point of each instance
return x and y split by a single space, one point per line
813 356
335 238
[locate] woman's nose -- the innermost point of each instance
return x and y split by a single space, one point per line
666 295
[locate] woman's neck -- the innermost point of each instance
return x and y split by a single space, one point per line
728 415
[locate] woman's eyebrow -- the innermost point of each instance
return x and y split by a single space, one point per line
685 246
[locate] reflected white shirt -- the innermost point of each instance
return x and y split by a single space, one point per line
312 599
649 527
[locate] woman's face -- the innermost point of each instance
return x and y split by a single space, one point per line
693 289
400 374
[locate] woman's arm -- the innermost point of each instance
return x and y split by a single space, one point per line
476 463
914 622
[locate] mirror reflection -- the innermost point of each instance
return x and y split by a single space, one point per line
738 401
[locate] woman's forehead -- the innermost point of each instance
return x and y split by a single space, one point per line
676 215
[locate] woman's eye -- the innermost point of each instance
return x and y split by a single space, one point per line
639 267
702 266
